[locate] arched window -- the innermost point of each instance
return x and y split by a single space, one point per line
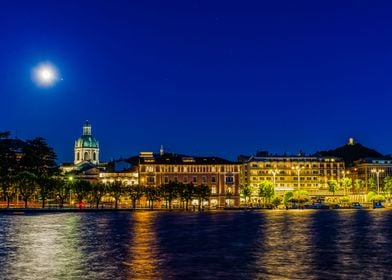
77 156
86 157
94 156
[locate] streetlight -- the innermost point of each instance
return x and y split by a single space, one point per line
70 179
274 172
345 173
377 171
298 169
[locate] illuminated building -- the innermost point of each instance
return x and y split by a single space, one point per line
366 168
86 147
291 173
220 175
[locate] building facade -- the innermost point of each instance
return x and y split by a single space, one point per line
86 147
220 175
290 173
367 168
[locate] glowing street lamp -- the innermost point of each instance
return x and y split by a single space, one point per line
298 169
377 172
345 173
274 172
70 180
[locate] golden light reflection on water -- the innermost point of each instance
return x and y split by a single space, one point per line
144 262
284 246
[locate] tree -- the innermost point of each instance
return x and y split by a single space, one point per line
359 185
116 190
300 196
332 186
27 184
187 192
388 185
9 165
287 197
135 193
169 192
39 158
46 187
346 184
8 187
61 190
81 188
152 194
98 190
372 184
202 193
276 201
266 191
246 192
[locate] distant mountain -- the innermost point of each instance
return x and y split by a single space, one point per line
351 152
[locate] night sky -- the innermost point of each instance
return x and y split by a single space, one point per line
200 77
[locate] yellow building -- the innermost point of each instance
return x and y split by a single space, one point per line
289 173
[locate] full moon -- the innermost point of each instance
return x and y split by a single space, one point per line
45 74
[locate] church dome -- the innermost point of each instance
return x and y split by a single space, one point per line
87 141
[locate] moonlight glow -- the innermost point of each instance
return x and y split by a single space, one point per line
45 75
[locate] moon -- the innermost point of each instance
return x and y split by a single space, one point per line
46 74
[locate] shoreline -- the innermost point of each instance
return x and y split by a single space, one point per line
21 211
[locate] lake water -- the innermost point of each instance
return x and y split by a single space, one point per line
294 244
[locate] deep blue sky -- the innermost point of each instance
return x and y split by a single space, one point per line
200 77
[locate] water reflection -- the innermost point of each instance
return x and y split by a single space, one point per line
144 257
31 248
213 245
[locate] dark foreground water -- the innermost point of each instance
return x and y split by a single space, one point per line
295 244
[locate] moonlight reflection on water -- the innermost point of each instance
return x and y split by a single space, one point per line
211 245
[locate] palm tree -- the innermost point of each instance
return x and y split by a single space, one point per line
27 184
116 189
202 193
135 192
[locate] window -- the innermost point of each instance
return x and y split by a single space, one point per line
166 180
204 179
194 179
78 156
94 156
185 180
151 179
229 179
213 190
175 179
213 179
